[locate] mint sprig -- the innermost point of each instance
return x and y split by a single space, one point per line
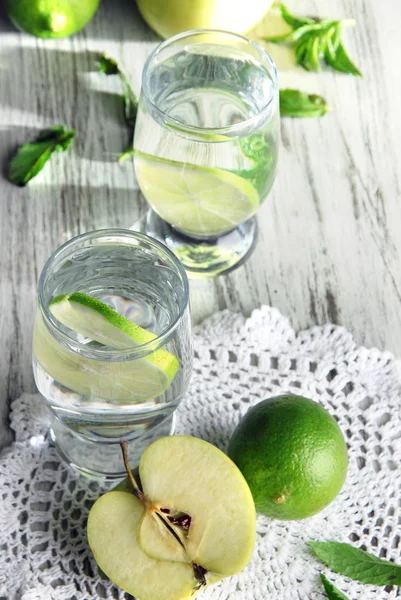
357 564
109 66
294 103
315 40
32 157
333 593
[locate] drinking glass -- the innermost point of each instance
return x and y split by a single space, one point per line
206 146
98 393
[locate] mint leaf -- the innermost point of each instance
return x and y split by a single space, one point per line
340 61
31 158
127 153
261 149
332 592
292 20
315 40
109 66
294 103
357 564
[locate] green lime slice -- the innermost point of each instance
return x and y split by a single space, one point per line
96 320
122 381
195 200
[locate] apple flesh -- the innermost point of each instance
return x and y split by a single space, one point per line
192 523
170 17
112 532
197 479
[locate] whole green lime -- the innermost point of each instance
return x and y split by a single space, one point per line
292 454
51 18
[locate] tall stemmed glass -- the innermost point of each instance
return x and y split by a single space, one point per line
206 146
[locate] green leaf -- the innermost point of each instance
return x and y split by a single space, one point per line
315 40
333 38
340 61
301 51
357 564
109 66
295 35
332 592
294 103
31 158
292 20
127 153
314 53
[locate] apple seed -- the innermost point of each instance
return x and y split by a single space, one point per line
184 521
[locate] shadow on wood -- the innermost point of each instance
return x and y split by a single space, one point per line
66 210
76 95
5 24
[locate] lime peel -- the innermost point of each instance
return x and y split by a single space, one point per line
56 22
51 18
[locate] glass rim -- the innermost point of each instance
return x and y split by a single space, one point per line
138 350
210 130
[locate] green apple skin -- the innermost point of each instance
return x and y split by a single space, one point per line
169 17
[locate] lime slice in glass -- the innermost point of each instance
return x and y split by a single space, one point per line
96 320
195 200
122 381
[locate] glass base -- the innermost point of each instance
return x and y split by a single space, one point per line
99 460
203 259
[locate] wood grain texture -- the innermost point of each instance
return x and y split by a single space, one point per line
329 246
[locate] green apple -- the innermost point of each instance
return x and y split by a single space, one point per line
170 17
190 524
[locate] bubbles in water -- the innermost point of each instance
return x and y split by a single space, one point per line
137 311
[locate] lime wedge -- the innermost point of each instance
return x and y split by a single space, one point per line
194 199
122 381
96 320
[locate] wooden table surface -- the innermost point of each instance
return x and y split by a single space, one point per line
329 246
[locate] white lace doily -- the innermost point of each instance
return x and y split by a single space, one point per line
44 505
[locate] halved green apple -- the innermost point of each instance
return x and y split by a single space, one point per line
190 524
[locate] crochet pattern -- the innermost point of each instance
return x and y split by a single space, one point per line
238 362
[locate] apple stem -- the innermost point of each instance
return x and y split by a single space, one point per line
137 491
199 572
